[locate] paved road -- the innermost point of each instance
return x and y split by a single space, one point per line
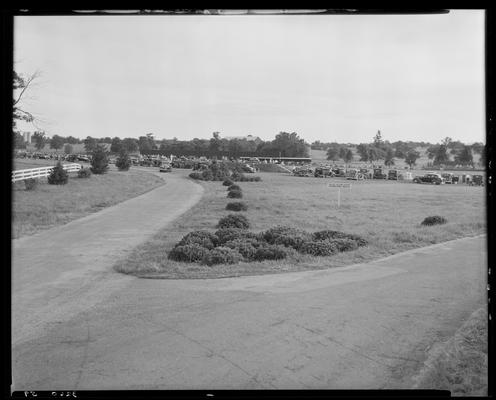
61 271
363 326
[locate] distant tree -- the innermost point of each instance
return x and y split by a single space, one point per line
72 140
215 145
145 143
90 144
56 142
482 159
441 156
19 142
349 156
68 149
389 157
464 156
333 153
116 145
411 157
342 153
363 151
478 147
130 145
123 162
432 151
446 141
99 161
39 139
378 139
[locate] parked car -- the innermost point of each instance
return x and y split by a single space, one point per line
165 167
448 177
323 172
354 174
477 180
393 174
378 174
429 178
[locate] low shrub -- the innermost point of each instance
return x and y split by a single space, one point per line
227 182
31 183
84 173
233 187
433 220
236 206
233 221
247 247
99 160
196 175
123 162
58 176
319 248
207 175
235 194
203 238
188 253
272 234
228 234
245 178
221 255
237 176
270 252
294 241
345 244
330 234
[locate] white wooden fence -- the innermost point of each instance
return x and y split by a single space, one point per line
22 174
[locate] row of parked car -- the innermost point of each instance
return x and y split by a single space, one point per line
392 174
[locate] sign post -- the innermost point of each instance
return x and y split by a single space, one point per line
339 186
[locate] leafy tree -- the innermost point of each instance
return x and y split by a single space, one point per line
68 148
349 156
21 84
363 151
39 139
289 145
441 156
19 142
116 145
446 141
389 157
58 176
99 161
72 140
215 145
342 153
378 139
412 157
145 143
464 157
333 152
130 145
123 162
90 144
56 142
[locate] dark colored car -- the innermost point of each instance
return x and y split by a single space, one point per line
435 179
477 180
378 174
323 172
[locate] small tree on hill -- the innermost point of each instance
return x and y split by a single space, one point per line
58 176
411 157
68 148
389 160
99 161
123 162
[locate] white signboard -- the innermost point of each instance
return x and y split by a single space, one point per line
346 185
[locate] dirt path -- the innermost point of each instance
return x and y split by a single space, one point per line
360 327
65 270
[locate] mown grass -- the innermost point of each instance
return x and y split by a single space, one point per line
386 213
51 205
460 364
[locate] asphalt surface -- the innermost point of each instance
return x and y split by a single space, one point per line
80 326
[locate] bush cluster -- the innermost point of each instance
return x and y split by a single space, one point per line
222 255
203 238
236 206
192 252
319 248
233 187
225 235
434 220
58 176
123 162
222 171
84 173
233 221
235 194
227 182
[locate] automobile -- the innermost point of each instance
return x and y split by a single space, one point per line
165 167
83 158
393 174
365 172
354 174
303 171
448 177
378 174
71 158
339 172
432 178
248 168
477 180
323 172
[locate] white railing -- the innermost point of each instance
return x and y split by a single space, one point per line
22 174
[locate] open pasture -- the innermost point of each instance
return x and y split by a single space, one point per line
386 213
52 205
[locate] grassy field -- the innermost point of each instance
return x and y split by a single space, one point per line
460 364
386 213
52 205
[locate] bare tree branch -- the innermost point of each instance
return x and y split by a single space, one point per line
30 79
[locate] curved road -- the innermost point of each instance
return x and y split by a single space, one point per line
363 326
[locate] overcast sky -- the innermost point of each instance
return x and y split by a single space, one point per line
328 78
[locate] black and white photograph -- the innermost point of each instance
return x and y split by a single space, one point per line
249 200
